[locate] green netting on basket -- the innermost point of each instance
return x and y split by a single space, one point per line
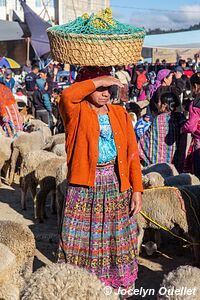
96 40
100 24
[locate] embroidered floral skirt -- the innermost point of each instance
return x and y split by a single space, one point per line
97 233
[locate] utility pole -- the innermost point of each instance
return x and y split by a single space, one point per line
56 7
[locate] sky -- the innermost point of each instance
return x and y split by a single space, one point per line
164 14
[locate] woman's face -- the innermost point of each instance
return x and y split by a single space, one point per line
168 80
100 97
196 89
162 108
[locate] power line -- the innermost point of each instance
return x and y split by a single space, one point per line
146 9
155 9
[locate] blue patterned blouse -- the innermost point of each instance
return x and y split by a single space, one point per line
107 147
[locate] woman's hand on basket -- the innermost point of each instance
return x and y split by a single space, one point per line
106 81
136 203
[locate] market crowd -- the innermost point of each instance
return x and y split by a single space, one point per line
162 100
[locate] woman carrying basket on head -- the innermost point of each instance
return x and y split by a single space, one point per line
99 229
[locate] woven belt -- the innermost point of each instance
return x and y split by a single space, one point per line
109 163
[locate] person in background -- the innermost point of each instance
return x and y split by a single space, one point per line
125 79
10 119
41 100
138 80
2 71
8 80
55 99
134 111
30 79
182 63
27 67
162 142
30 83
142 126
167 81
192 125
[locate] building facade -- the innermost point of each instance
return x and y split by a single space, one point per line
56 11
71 9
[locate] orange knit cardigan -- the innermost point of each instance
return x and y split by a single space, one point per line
82 135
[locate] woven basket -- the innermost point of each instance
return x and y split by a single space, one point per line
96 41
86 51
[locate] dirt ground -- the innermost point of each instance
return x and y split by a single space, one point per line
151 268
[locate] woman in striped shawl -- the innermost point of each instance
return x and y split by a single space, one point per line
160 144
10 119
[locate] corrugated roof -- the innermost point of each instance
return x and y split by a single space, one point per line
185 39
10 31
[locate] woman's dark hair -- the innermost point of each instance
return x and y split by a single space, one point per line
57 91
135 108
195 79
170 99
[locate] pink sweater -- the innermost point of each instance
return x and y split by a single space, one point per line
191 125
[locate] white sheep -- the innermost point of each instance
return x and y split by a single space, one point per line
152 179
59 150
45 176
20 240
9 278
166 206
29 165
35 124
180 284
5 152
7 263
55 140
64 281
163 169
25 143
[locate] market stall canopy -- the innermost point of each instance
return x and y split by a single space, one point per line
10 31
37 27
184 39
9 63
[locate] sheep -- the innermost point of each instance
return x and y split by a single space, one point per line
61 187
5 152
180 284
166 206
34 125
20 240
152 180
7 263
59 149
9 291
9 278
55 140
30 163
25 143
182 179
163 169
45 175
64 281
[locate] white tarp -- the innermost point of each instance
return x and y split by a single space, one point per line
10 31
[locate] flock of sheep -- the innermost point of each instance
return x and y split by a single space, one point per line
170 199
